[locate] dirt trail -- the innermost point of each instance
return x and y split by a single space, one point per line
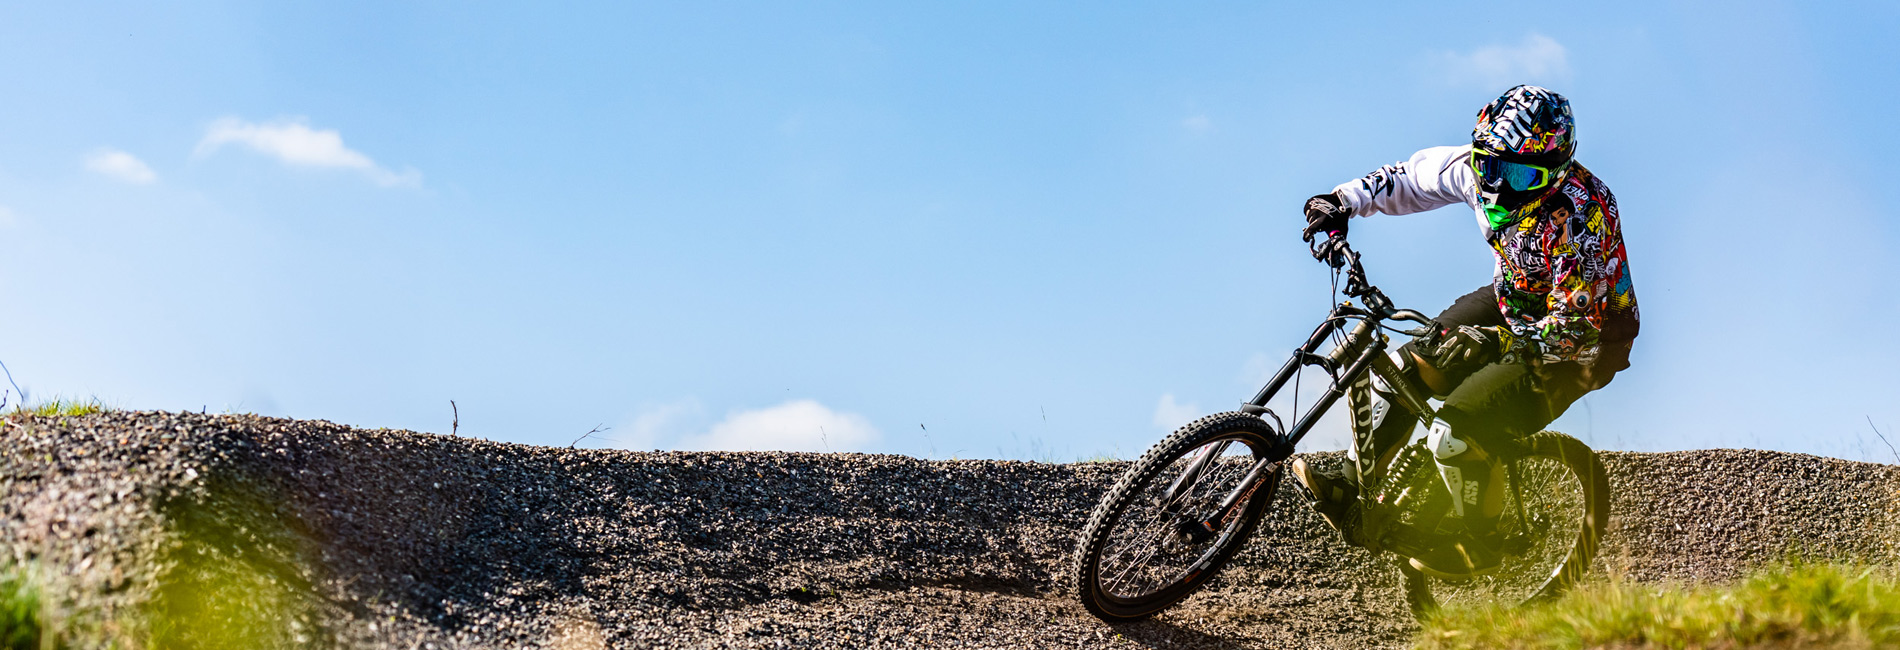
311 533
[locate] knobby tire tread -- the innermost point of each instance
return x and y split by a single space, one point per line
1095 533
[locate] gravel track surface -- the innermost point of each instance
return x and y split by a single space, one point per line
396 539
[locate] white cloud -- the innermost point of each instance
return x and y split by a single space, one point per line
655 422
1171 415
1538 58
798 425
7 219
120 166
294 143
1198 124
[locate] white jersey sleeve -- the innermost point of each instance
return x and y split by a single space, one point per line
1433 178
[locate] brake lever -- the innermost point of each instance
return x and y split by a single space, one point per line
1332 250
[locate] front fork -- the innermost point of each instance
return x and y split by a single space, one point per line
1389 490
1362 350
1202 529
1380 502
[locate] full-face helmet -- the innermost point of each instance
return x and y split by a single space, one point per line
1521 147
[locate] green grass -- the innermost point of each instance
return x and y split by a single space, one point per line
226 577
59 406
1101 457
1797 605
19 611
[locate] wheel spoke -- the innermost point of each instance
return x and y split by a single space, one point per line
1151 549
1138 554
1142 556
1542 520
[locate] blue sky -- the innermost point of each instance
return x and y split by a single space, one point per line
982 230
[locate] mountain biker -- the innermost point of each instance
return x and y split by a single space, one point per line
1556 322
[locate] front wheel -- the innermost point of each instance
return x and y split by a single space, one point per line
1555 512
1138 554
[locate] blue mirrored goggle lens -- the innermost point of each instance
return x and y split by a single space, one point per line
1516 176
1521 177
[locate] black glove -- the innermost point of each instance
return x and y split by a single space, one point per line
1326 213
1468 348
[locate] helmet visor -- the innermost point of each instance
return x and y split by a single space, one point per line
1499 174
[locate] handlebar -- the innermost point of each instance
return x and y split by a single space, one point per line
1335 252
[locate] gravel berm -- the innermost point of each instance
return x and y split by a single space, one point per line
300 533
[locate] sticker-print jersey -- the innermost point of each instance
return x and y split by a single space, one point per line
1562 271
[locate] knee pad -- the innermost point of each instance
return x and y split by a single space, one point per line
1480 437
1446 447
1454 460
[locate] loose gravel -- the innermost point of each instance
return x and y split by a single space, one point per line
308 533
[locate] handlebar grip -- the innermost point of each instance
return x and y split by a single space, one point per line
1414 316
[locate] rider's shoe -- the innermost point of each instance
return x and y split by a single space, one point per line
1331 493
1465 556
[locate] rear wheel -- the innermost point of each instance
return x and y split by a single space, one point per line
1549 541
1136 557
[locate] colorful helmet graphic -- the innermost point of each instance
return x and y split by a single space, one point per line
1522 144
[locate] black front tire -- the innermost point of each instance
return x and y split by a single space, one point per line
1132 531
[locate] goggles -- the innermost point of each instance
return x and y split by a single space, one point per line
1519 177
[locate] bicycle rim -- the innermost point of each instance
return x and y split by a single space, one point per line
1541 542
1134 557
1146 554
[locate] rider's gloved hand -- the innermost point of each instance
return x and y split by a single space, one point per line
1469 348
1326 213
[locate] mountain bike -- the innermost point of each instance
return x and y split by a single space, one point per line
1177 516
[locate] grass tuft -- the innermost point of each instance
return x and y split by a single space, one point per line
19 611
59 406
1796 605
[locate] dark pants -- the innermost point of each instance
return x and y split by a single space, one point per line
1493 407
1500 403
